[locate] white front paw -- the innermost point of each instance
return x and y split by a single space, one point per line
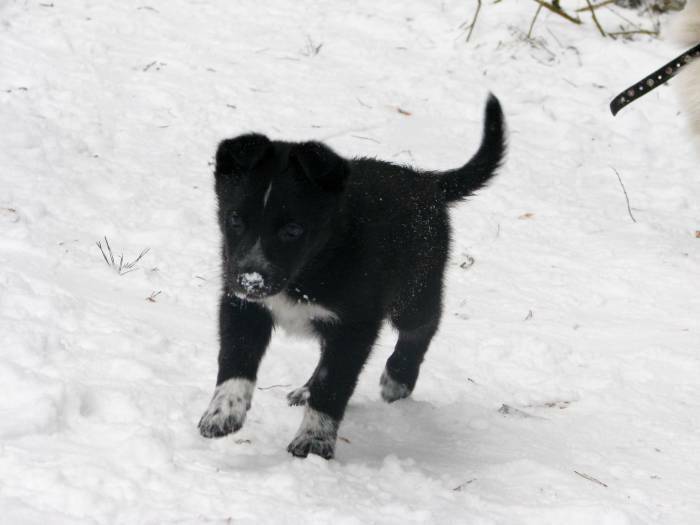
316 435
227 409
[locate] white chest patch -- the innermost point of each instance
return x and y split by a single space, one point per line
295 316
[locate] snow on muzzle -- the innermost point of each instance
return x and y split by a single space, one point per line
253 284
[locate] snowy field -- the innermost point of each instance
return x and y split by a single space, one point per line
583 323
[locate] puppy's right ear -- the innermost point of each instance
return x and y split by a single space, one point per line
321 165
240 155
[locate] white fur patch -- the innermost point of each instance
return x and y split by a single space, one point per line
227 409
267 195
295 316
317 424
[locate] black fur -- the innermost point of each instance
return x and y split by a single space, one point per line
364 239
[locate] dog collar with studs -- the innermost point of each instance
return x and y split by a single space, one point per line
658 77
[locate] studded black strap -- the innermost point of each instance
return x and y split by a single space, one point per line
658 77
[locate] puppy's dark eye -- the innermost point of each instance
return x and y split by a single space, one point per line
290 231
235 222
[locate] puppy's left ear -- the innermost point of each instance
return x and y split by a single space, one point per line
240 155
321 165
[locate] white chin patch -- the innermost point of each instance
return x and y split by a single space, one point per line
227 409
295 317
316 435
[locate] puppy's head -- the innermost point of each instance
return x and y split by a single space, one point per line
277 202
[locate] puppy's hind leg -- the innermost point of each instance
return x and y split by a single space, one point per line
401 372
299 396
417 321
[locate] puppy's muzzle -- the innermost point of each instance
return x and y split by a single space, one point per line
253 285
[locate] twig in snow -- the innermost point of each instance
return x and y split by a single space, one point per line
592 7
629 209
555 8
528 316
622 17
650 32
152 298
366 138
461 487
476 15
121 267
534 19
595 18
590 478
273 386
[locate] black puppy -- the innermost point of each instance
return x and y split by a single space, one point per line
318 244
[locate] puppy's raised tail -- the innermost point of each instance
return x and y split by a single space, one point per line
462 182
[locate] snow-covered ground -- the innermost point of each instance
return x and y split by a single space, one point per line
583 323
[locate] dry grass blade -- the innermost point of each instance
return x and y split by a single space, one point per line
590 478
130 266
476 15
595 18
121 267
532 24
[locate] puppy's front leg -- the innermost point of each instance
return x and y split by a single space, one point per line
345 350
244 332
